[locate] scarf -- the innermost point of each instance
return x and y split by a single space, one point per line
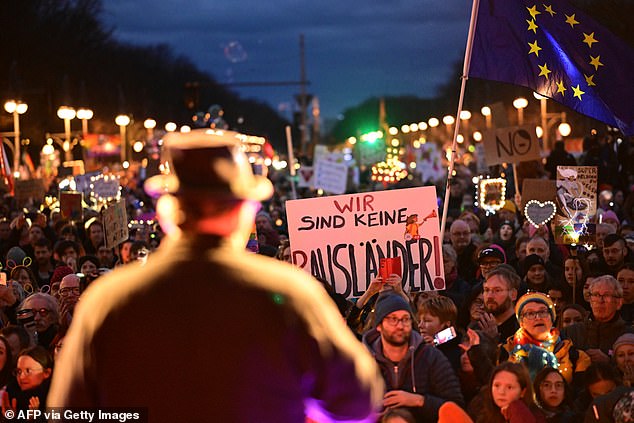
533 353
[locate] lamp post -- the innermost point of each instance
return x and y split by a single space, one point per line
16 108
486 112
520 103
67 114
549 119
123 121
84 115
149 125
170 127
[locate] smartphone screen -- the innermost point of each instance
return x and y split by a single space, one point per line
445 335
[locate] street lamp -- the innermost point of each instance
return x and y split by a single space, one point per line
149 125
520 103
549 119
170 127
486 112
84 115
67 114
16 108
123 121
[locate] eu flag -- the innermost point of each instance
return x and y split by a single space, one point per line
559 52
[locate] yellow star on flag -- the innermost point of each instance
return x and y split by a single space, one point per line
571 20
535 48
590 80
589 39
550 10
577 92
596 62
532 26
533 11
560 87
544 70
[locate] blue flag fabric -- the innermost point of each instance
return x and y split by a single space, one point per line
559 52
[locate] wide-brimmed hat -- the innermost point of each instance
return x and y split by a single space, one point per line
208 162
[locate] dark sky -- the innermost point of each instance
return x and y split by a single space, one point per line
354 49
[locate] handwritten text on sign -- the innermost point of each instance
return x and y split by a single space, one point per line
341 238
511 145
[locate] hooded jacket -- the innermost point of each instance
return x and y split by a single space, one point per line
424 370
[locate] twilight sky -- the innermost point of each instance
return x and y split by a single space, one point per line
354 49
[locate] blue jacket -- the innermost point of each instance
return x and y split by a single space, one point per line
428 368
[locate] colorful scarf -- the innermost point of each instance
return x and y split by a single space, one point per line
533 353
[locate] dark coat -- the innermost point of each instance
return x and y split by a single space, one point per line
207 332
424 370
593 334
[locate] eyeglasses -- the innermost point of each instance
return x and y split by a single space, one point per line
539 314
559 386
490 264
494 291
393 321
602 297
43 312
65 292
26 372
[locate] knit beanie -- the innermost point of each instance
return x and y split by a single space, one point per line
389 304
531 260
16 256
535 297
59 273
625 339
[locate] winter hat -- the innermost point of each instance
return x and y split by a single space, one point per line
389 304
535 297
507 223
609 215
531 260
59 273
625 339
16 256
510 206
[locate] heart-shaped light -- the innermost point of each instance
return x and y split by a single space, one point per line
539 213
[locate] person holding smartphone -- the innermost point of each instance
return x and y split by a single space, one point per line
436 322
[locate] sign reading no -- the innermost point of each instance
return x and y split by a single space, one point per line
511 145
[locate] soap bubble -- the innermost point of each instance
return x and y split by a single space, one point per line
234 52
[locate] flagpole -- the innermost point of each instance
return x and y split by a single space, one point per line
465 76
291 160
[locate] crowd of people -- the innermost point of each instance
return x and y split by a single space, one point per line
525 331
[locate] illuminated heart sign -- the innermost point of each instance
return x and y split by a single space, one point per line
539 213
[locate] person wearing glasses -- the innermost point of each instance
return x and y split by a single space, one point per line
29 389
597 335
538 344
68 296
40 312
417 375
499 293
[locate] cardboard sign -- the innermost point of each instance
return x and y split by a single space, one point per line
342 238
492 194
331 176
576 197
29 188
511 145
537 189
70 205
115 222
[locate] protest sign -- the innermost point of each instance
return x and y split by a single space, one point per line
70 205
331 176
342 238
29 188
537 189
115 223
492 194
511 145
305 177
105 187
576 199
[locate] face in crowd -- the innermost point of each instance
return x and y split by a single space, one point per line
536 320
573 272
552 390
570 316
498 296
44 316
487 264
29 373
396 328
460 235
536 274
506 388
626 279
614 255
539 246
605 300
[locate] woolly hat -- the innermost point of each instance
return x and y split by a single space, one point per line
388 304
625 339
16 256
535 297
59 273
509 206
609 215
531 260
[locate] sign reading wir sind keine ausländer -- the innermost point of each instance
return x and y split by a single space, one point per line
341 238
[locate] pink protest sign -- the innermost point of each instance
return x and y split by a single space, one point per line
342 238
